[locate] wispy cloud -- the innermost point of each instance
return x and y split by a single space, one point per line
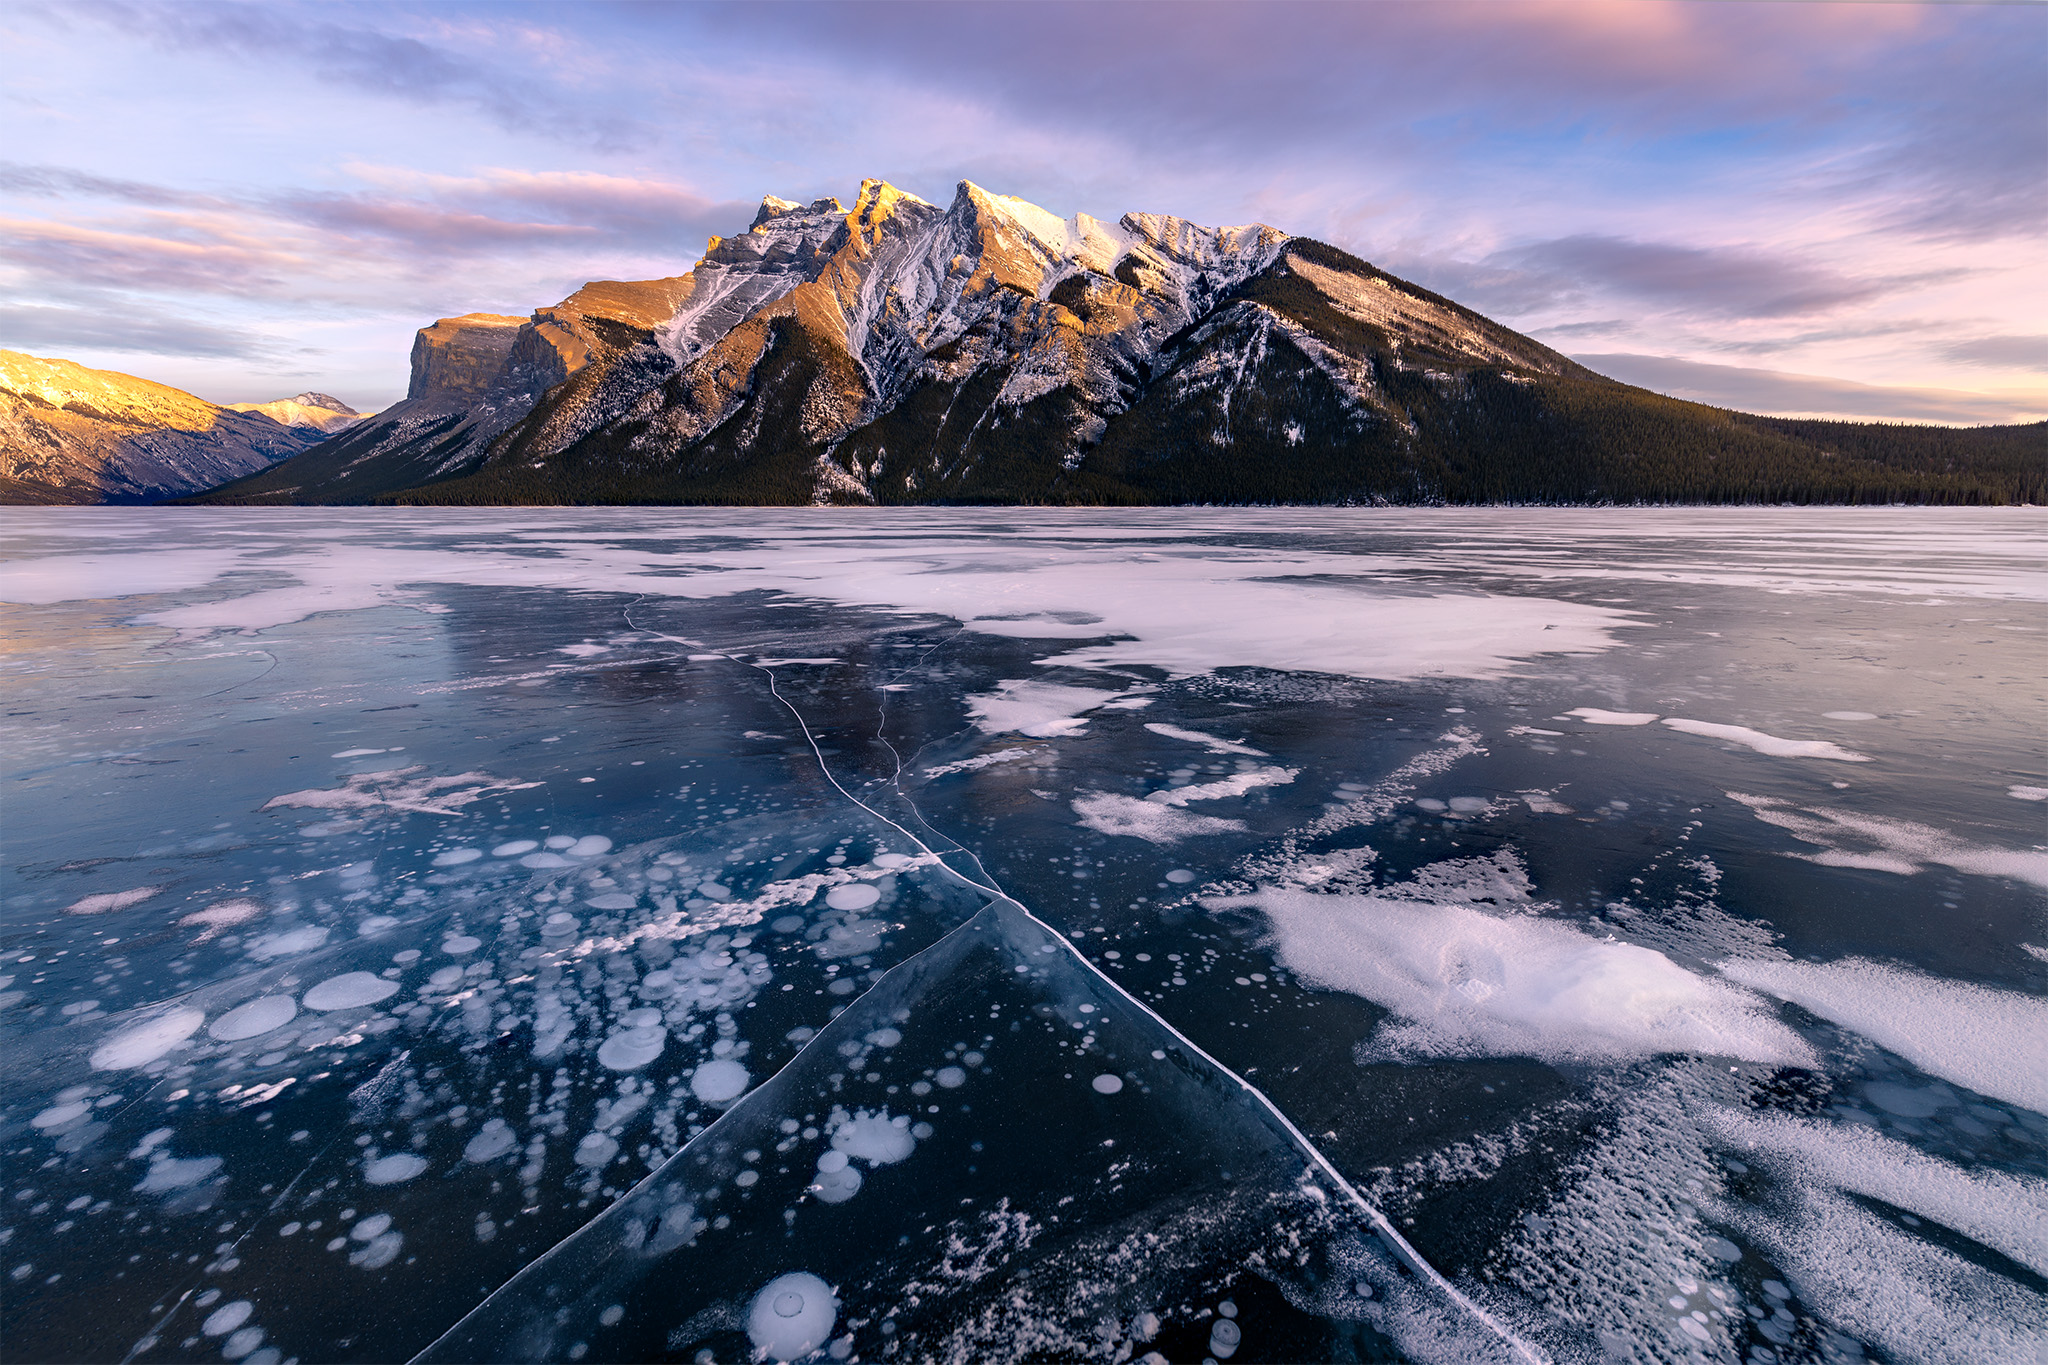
1776 393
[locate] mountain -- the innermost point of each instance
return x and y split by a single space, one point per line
323 412
992 352
69 434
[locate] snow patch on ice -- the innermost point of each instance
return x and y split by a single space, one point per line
1235 785
1898 846
1993 1041
1138 818
109 901
1593 715
1039 710
1767 744
1464 982
1210 742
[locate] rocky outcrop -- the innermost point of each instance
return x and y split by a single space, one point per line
69 434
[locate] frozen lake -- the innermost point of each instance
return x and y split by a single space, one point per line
998 935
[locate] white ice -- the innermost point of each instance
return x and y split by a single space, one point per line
1992 1041
1462 982
632 1048
1593 715
1767 744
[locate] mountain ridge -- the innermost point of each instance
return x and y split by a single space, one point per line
70 434
990 351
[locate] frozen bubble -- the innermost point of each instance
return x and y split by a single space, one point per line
514 848
406 956
381 1251
714 891
456 857
787 924
253 1018
492 1141
1720 1248
836 1187
858 896
1180 876
1849 715
885 1037
561 841
596 1150
377 924
1430 804
376 1225
350 990
1106 1084
455 945
891 860
613 1315
227 1318
561 922
719 1080
241 1343
1469 805
58 1115
1224 1336
792 1316
834 1160
167 1173
544 860
875 1138
143 1043
951 1077
589 846
291 941
1776 1289
445 978
395 1169
636 1047
641 1018
613 900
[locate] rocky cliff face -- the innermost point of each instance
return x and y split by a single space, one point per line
69 434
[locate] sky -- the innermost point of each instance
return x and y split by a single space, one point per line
1810 209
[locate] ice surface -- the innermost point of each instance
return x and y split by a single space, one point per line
1993 1041
779 1016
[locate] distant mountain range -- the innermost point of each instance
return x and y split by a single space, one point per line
69 434
992 352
